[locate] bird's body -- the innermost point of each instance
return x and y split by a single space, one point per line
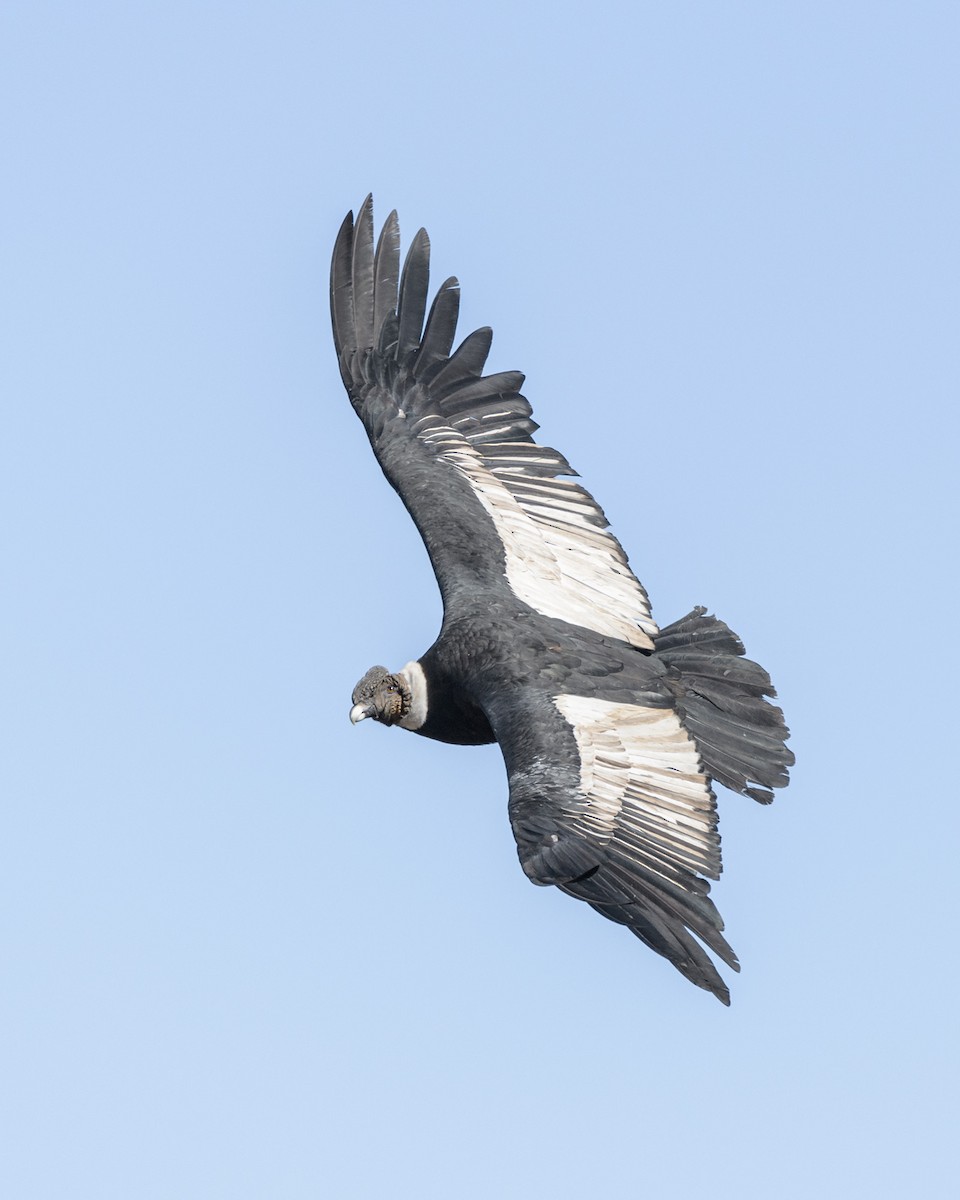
611 728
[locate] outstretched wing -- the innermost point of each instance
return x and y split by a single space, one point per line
494 508
610 802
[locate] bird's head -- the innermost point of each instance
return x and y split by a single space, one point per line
381 695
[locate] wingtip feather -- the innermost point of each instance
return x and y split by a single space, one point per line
363 275
414 286
341 288
386 276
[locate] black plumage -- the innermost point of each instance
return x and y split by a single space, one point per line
612 730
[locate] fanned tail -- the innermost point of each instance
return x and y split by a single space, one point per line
722 698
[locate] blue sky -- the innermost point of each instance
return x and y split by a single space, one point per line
250 951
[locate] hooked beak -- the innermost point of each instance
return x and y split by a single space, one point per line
359 711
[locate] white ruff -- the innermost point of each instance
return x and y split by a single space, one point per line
559 560
641 776
417 683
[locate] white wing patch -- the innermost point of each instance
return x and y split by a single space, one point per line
643 784
559 558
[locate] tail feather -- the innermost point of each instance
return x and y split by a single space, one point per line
722 698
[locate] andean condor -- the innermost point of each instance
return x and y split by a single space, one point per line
613 730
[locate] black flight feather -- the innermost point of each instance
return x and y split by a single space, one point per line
440 330
414 282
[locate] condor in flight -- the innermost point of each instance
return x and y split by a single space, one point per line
613 730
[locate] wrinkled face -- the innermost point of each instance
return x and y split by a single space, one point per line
380 695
